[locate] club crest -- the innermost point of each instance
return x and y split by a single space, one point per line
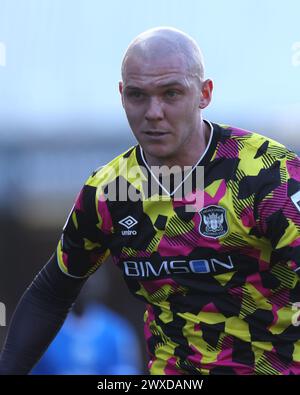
213 222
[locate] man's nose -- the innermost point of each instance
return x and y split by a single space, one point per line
155 110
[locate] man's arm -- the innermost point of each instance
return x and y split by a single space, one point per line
38 317
43 308
279 212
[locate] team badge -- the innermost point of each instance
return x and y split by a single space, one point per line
296 200
213 222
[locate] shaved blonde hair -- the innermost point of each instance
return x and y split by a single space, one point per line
162 41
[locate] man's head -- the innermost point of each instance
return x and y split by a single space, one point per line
163 92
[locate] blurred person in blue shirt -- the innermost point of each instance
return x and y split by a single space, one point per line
93 340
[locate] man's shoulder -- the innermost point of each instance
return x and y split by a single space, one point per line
254 145
113 169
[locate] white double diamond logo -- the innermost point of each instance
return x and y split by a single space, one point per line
128 222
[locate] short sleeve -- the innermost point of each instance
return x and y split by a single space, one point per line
84 244
279 212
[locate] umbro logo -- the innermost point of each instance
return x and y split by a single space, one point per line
128 223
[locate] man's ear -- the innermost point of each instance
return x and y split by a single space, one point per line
206 93
121 91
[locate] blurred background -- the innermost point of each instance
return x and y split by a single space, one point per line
61 115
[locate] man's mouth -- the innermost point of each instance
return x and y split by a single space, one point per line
155 133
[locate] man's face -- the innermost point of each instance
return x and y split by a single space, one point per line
161 100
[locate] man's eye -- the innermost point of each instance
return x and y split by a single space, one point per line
135 94
171 94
